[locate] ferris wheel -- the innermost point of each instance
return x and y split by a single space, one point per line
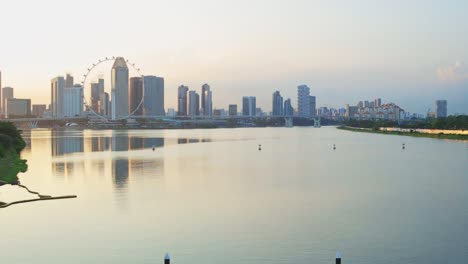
89 72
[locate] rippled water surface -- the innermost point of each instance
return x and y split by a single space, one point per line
210 196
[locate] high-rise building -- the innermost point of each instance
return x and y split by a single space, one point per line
136 95
68 81
18 107
303 100
7 93
249 106
104 104
57 86
119 93
288 109
73 101
194 103
153 102
277 107
101 102
377 103
38 110
182 101
95 96
206 101
351 111
441 108
232 110
313 108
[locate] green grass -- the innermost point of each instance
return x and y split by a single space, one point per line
410 134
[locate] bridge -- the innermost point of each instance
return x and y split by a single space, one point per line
33 122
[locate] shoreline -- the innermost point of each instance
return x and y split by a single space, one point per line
458 137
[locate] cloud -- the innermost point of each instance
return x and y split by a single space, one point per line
457 72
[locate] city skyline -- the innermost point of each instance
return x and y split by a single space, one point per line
420 48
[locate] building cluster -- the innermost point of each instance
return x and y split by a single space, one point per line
190 103
144 96
137 96
374 110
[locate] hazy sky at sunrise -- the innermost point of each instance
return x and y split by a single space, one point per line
408 52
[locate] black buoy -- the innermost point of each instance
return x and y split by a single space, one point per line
338 258
167 259
259 147
154 147
334 147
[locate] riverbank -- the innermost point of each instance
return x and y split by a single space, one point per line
411 133
11 145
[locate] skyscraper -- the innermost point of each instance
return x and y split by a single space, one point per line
119 84
182 101
303 100
313 108
288 109
57 86
153 102
277 106
194 103
249 105
232 110
104 104
136 95
206 101
441 108
73 101
377 103
68 81
95 95
7 93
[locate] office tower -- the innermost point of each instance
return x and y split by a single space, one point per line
38 110
119 91
182 101
101 100
206 101
440 108
288 109
7 93
232 110
371 104
313 108
73 101
17 107
136 95
57 86
277 107
194 103
303 100
377 102
68 81
153 102
104 104
205 88
351 111
95 97
249 106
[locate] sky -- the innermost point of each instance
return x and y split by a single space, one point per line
407 52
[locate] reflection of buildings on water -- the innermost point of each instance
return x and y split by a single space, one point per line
100 144
120 172
63 144
66 168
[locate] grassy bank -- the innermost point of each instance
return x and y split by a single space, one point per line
410 134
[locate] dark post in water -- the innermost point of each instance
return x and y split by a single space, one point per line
167 259
338 258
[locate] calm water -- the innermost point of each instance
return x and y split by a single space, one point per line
209 196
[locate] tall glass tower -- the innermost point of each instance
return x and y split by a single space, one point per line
119 84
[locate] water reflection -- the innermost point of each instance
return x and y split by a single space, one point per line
108 153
